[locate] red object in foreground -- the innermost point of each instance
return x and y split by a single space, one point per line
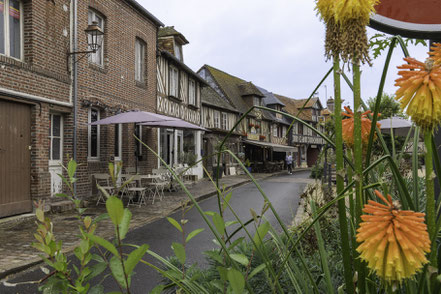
409 18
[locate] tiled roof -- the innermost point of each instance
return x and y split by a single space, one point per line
326 112
210 97
292 106
269 98
171 31
229 85
248 88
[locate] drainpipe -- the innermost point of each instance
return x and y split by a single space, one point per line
75 81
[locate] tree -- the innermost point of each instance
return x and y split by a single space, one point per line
388 106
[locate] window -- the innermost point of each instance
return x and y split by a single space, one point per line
283 131
191 92
56 137
274 130
94 134
118 141
11 28
256 101
174 82
300 126
217 119
98 56
224 121
178 52
139 61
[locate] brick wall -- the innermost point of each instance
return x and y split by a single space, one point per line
44 71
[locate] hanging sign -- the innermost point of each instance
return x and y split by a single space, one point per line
420 19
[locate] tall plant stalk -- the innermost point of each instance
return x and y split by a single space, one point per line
430 190
346 251
358 162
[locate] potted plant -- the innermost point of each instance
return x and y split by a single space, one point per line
218 170
248 164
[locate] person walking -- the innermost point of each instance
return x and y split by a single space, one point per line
289 163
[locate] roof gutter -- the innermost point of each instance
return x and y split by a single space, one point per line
144 11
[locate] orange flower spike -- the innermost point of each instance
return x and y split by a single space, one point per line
435 54
348 127
392 241
419 89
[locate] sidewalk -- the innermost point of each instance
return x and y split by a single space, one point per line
17 254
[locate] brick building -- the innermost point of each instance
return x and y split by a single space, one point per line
40 87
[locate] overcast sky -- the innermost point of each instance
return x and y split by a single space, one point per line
278 45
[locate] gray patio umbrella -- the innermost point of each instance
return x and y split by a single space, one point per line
175 124
133 117
400 126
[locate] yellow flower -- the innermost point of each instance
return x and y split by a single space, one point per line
392 241
348 127
347 10
325 9
420 91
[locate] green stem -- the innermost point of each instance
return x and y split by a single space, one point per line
358 161
346 251
430 190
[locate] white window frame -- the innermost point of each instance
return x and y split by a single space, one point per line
140 60
89 132
6 30
174 82
92 16
257 101
217 119
274 130
118 157
192 92
224 123
51 137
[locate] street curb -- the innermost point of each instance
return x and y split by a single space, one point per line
69 250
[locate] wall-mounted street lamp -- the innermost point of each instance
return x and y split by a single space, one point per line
94 39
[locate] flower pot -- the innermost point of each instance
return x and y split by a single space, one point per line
217 172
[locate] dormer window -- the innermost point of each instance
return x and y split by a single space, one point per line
178 52
257 101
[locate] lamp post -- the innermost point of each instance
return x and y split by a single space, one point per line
94 35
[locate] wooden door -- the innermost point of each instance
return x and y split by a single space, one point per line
15 142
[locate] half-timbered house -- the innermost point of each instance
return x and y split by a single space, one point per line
219 116
261 131
178 95
307 142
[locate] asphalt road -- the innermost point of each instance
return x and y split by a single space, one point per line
283 191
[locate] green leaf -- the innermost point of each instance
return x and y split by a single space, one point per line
226 200
115 209
134 257
215 256
97 269
124 226
222 273
175 223
71 168
219 223
230 223
97 289
236 280
240 258
40 214
236 242
257 270
262 230
104 243
157 290
117 271
179 250
193 234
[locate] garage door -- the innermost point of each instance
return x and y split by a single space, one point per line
15 141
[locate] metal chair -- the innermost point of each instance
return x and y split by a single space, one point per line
134 188
103 181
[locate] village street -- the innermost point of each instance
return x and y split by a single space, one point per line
283 190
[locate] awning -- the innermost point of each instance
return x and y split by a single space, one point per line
275 147
175 124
